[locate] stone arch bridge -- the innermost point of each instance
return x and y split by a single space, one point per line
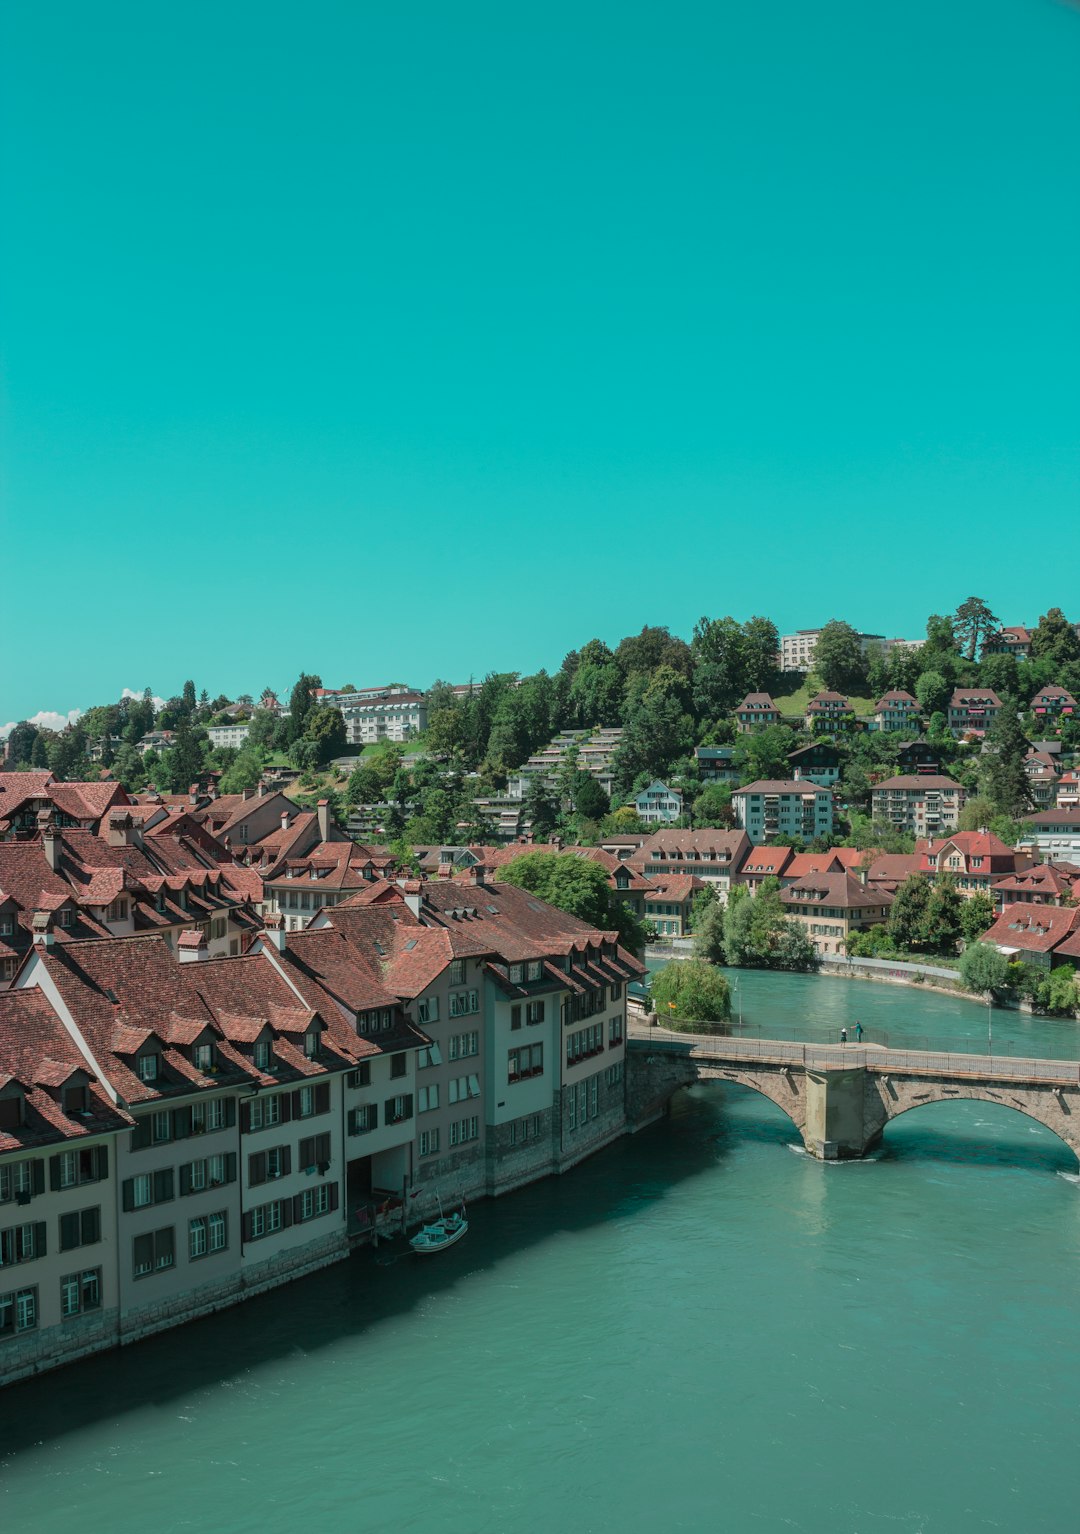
841 1096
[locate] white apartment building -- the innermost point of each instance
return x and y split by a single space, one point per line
797 650
395 712
925 803
229 734
781 807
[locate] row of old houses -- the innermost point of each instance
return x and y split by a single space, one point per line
179 1131
970 712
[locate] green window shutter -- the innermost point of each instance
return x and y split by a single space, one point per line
230 1167
128 1194
102 1160
38 1176
181 1123
69 1231
54 1173
91 1226
230 1112
40 1238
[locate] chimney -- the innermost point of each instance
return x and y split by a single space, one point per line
193 793
475 874
261 791
51 843
123 831
245 794
284 820
274 931
323 812
191 947
41 927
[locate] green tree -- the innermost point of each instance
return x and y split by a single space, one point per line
326 727
1061 990
761 645
973 625
578 887
764 753
708 925
712 807
908 917
720 665
933 692
1002 674
976 916
590 800
1055 639
759 934
838 658
944 917
1004 780
188 698
245 770
984 969
20 743
689 992
541 807
301 702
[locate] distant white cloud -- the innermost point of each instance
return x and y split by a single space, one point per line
47 719
131 692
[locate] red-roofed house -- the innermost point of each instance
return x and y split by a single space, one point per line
830 713
972 710
1053 702
763 863
1031 933
897 710
755 711
975 859
831 906
668 903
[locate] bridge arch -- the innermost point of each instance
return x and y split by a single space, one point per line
785 1089
1042 1106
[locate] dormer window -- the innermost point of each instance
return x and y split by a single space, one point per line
263 1055
64 917
12 1115
148 1066
535 969
311 1044
76 1099
517 974
7 926
203 1057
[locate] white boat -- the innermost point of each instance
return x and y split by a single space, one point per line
442 1233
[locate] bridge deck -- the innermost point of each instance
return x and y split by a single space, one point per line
721 1050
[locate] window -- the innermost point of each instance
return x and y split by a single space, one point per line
463 1003
149 1066
207 1234
202 1057
517 974
398 1109
72 1168
534 1012
154 1252
615 1030
462 1045
515 1016
314 1152
464 1087
311 1044
22 1243
305 1103
429 1142
264 1112
457 971
210 1172
268 1165
80 1292
316 1201
427 1010
148 1188
80 1228
399 1065
427 1098
161 1127
20 1180
535 969
266 1219
18 1312
464 1130
430 1056
262 1055
524 1062
363 1120
361 1077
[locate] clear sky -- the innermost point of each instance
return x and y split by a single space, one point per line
415 339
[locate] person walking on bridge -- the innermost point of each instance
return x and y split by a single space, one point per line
858 1031
843 1035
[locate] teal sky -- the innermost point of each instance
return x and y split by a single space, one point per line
417 340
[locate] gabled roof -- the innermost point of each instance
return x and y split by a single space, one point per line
834 889
835 860
1032 928
895 698
760 862
756 701
920 780
37 1051
780 786
822 698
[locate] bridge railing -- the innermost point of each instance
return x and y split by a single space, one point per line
974 1044
851 1056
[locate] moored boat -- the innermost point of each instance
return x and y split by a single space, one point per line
440 1234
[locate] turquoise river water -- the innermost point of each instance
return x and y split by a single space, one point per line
700 1329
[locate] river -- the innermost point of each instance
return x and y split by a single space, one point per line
701 1328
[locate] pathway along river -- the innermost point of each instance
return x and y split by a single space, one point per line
700 1329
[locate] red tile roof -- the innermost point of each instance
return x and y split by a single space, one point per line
1032 928
37 1051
